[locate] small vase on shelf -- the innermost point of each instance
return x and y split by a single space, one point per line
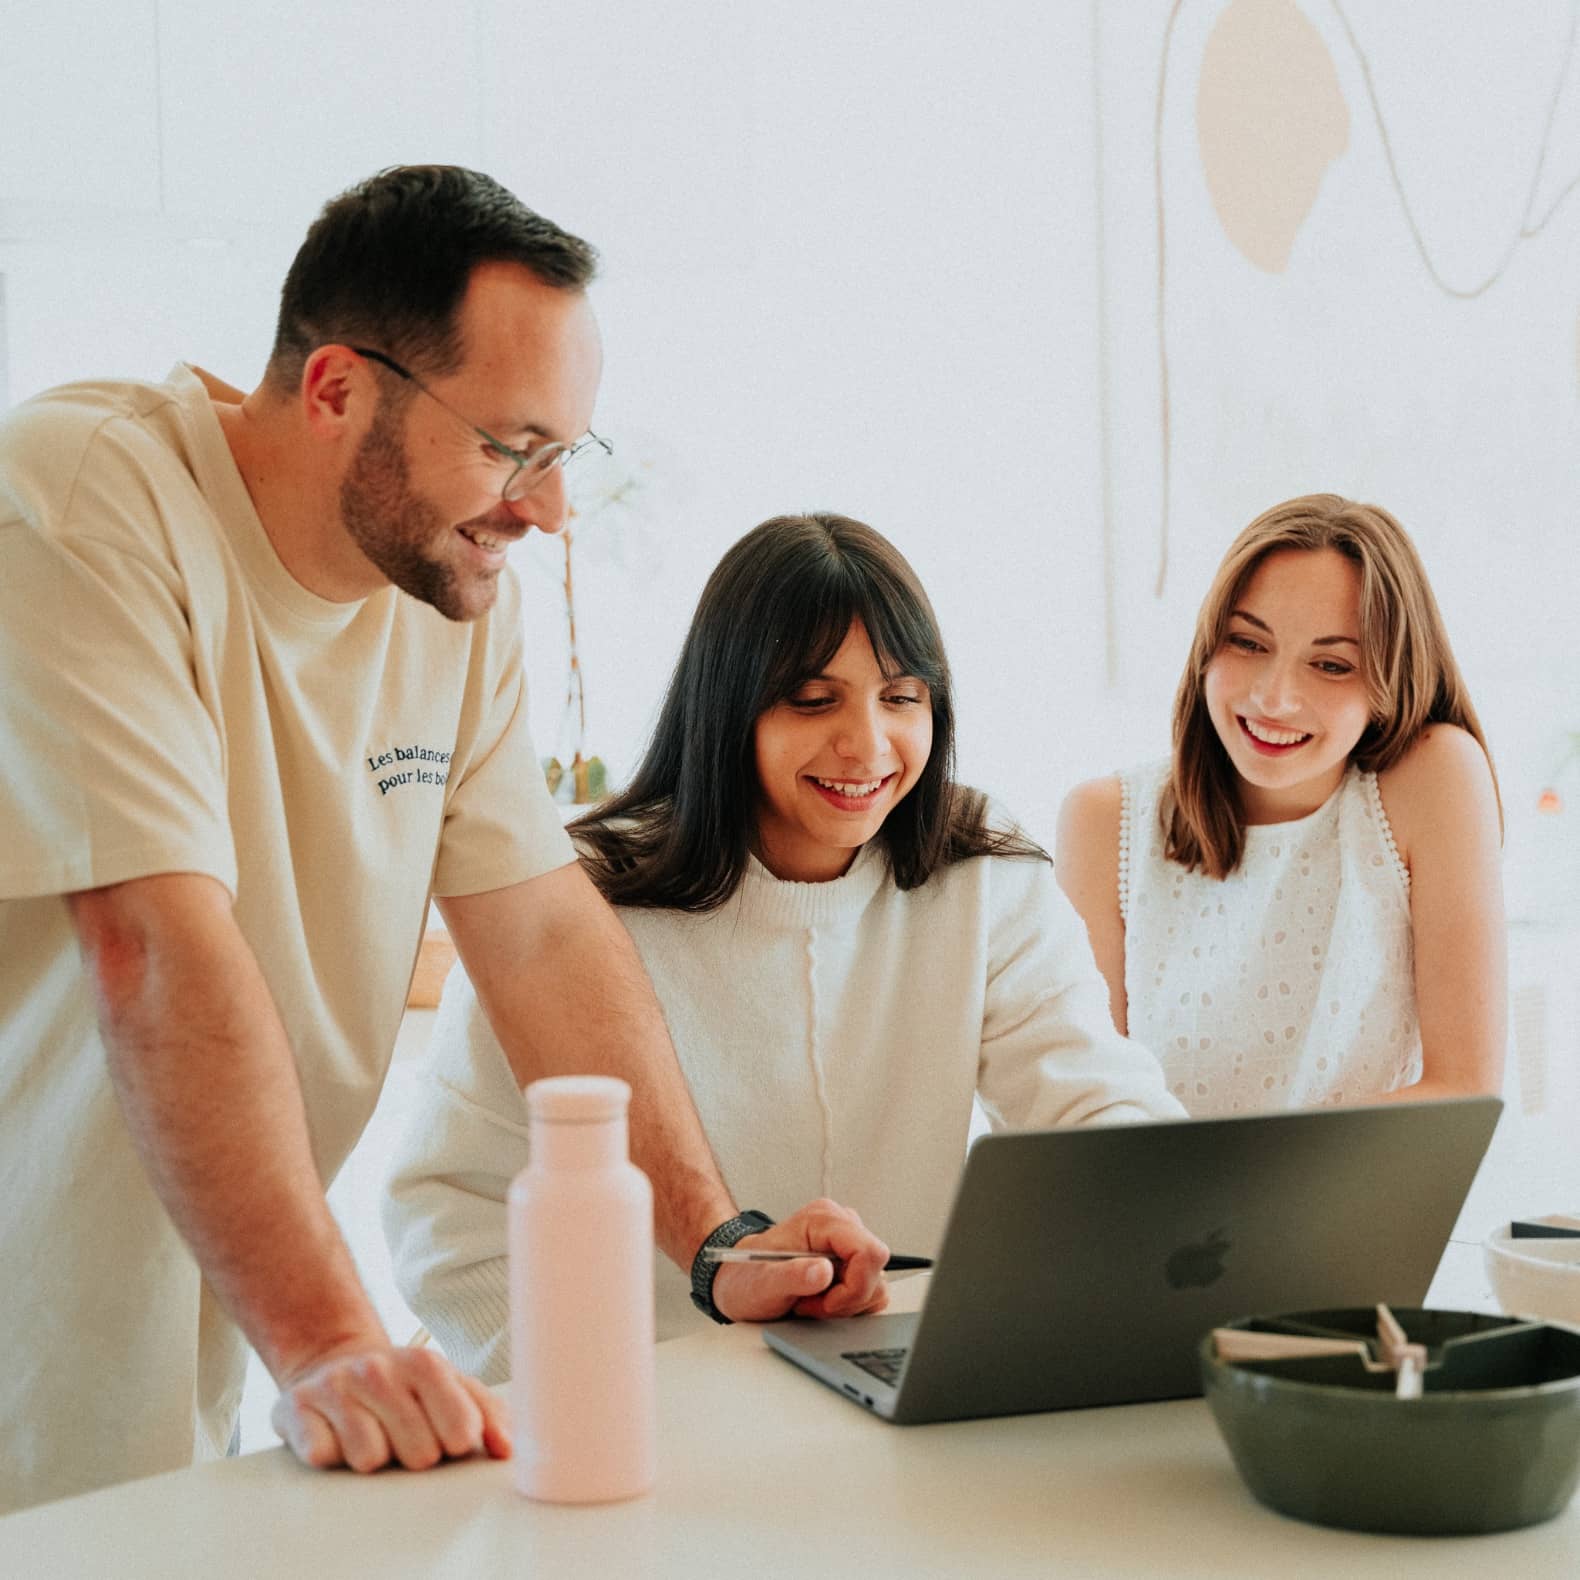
579 783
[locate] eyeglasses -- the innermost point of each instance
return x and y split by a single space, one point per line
531 467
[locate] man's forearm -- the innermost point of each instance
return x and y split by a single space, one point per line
565 991
206 1080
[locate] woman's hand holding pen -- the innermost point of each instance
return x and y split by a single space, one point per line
848 1284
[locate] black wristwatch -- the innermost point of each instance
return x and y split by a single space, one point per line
703 1272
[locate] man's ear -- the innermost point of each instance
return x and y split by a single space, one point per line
337 391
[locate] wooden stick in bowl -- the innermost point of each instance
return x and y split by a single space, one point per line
1244 1344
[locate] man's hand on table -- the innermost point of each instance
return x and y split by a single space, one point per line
849 1284
373 1406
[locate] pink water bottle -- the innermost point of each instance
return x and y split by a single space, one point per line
583 1408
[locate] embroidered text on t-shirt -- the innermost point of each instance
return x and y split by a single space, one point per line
392 772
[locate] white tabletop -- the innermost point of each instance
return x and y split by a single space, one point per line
763 1473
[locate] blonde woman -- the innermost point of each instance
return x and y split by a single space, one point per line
1303 905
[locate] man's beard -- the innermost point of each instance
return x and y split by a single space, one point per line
398 530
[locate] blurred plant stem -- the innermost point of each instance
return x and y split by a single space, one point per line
576 692
584 779
588 779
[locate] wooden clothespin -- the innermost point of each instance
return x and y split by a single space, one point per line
1405 1358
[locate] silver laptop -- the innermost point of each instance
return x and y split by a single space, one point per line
1083 1266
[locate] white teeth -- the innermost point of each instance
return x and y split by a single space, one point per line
1273 737
483 541
845 787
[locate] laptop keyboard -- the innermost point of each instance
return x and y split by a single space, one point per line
885 1365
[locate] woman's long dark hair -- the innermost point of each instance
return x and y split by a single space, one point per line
773 614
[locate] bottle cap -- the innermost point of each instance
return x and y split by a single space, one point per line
578 1099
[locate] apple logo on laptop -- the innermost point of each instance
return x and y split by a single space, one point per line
1197 1265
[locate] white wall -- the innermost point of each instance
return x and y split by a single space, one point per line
846 270
1433 370
852 261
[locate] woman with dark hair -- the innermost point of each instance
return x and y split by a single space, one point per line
848 945
1303 904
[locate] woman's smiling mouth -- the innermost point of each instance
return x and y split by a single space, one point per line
849 795
1269 739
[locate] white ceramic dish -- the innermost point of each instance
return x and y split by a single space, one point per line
1535 1277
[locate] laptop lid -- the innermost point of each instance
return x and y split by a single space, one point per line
1082 1266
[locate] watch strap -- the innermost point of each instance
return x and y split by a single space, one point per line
703 1272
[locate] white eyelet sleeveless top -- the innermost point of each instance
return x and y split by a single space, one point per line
1288 984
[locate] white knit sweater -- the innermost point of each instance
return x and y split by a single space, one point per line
833 1035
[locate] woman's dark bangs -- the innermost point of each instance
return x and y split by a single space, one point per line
812 617
904 643
815 610
904 638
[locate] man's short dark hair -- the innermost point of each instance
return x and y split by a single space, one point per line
387 263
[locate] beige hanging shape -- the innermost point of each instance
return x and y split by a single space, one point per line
1270 119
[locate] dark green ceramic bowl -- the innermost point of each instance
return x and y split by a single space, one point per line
1492 1444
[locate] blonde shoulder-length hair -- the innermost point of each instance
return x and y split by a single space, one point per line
1408 667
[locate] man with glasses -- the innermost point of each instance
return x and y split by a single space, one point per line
260 697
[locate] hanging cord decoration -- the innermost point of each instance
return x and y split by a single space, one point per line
1527 228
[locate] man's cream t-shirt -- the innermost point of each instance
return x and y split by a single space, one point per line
172 700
